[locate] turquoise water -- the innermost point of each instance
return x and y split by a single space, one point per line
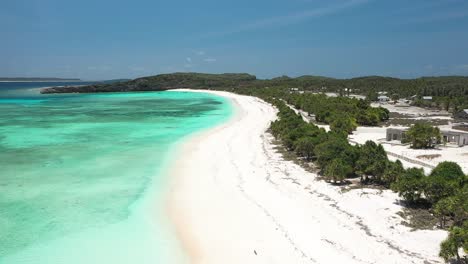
82 176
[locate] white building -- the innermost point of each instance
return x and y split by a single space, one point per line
383 98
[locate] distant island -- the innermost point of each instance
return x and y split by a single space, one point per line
163 82
436 86
37 79
444 86
445 92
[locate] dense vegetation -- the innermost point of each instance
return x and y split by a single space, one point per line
335 156
339 111
450 92
444 191
163 82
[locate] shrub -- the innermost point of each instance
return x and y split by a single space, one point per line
410 185
444 181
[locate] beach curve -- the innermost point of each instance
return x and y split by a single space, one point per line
234 199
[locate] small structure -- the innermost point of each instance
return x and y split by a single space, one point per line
294 90
383 99
427 98
458 138
396 134
462 114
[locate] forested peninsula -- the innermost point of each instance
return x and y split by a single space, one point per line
447 91
163 82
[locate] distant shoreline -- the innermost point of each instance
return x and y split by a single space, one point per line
3 81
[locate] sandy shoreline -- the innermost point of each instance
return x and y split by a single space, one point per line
233 199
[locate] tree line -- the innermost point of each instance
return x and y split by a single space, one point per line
450 92
330 110
445 190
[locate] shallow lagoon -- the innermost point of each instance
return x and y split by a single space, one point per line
81 175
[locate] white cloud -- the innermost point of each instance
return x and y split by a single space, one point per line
188 59
210 60
200 53
293 18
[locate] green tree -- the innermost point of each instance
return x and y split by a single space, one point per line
458 238
395 97
444 181
333 148
363 104
305 147
343 124
410 185
444 208
372 96
367 118
372 161
460 207
423 135
393 170
289 138
337 170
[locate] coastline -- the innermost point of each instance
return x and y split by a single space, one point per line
141 232
233 199
42 81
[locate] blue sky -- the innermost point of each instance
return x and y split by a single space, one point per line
92 39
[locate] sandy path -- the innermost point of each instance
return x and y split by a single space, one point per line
235 200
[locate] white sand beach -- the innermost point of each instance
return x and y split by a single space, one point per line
234 199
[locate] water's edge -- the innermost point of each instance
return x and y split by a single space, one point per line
147 221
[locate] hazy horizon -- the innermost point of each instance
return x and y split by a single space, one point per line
351 77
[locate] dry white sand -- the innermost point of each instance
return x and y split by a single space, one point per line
235 200
414 111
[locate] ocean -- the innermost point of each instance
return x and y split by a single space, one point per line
83 176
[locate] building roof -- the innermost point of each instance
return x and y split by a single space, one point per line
395 129
454 132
